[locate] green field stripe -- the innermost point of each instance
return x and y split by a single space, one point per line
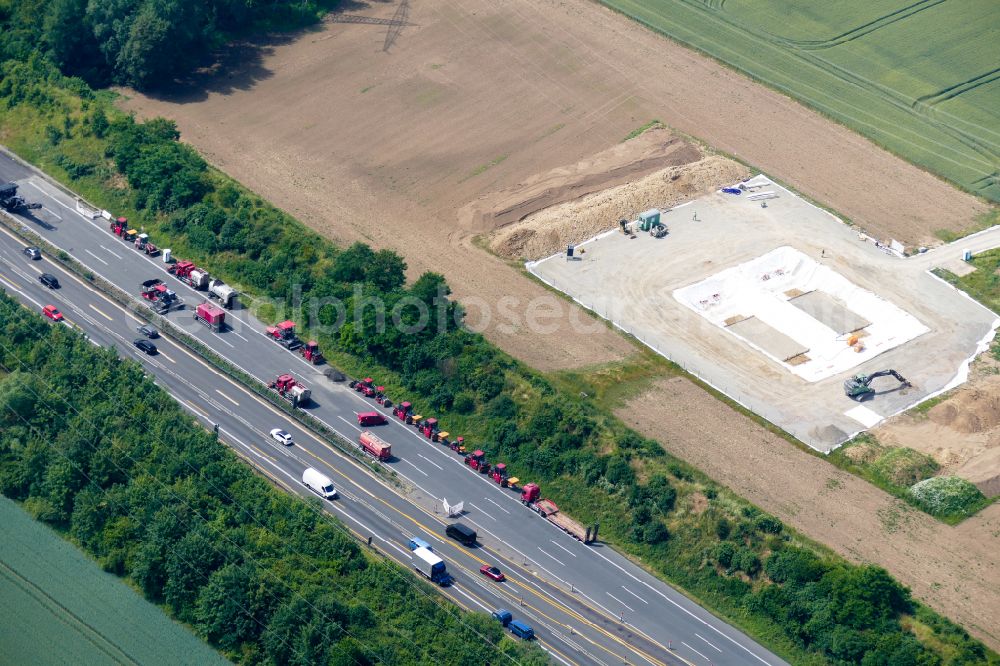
953 91
989 151
66 616
885 115
862 30
917 137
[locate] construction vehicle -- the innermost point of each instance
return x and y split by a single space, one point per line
310 352
431 566
119 226
291 390
189 274
429 428
223 293
375 446
143 245
381 398
8 197
365 387
457 445
859 388
477 461
499 474
160 298
11 202
547 509
284 335
402 410
650 221
211 316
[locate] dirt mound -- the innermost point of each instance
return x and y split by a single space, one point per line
969 411
551 229
652 150
962 433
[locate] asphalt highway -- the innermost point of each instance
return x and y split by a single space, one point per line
588 603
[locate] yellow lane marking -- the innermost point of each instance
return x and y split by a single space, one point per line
364 470
545 597
264 453
227 397
548 646
94 308
197 409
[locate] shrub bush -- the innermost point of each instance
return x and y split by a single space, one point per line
947 496
769 524
903 466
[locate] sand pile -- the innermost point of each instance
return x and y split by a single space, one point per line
962 433
969 411
651 151
547 231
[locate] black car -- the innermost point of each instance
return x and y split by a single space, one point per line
145 345
33 253
49 280
148 331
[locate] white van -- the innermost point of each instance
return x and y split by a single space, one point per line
319 483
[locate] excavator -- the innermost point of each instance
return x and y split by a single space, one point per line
859 388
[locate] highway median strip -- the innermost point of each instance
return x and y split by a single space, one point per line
118 295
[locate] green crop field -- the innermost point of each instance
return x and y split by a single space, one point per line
58 607
921 78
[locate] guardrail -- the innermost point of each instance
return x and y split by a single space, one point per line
120 296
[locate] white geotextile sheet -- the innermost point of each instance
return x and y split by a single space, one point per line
762 288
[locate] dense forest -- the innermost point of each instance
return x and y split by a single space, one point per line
96 450
807 604
142 43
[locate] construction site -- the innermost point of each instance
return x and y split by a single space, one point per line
781 306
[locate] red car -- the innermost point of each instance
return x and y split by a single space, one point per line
371 419
492 572
52 313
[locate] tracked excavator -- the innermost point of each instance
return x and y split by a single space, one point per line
859 388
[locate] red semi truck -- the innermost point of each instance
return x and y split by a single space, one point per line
373 445
531 497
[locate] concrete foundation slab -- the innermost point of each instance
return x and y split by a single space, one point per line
929 338
770 340
830 311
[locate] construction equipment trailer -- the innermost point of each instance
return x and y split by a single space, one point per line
547 509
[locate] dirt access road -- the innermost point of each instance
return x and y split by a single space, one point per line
366 136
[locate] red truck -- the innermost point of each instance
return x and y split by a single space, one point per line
373 445
211 316
547 509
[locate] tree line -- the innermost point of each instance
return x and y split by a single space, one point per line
142 43
95 449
